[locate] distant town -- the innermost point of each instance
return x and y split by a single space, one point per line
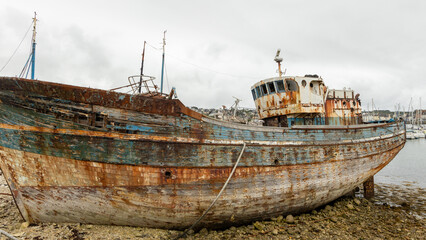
250 116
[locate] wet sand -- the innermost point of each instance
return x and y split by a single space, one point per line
396 212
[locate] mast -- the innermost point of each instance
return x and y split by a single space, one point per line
404 114
237 100
33 41
411 112
279 60
421 113
143 57
162 65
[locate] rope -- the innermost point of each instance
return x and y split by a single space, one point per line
7 235
217 197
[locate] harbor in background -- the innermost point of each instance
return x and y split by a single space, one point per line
408 167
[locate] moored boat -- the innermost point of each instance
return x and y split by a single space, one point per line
75 154
418 133
410 134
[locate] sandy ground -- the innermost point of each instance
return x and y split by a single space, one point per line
396 212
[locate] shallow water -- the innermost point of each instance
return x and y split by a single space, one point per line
408 168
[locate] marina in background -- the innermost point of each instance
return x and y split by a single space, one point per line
408 167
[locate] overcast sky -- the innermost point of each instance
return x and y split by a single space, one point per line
218 49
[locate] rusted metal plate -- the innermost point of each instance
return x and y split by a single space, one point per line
342 108
285 104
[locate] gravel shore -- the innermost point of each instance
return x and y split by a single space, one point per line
396 212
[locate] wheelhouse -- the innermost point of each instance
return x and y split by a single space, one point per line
303 100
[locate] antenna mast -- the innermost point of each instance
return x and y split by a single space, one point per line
162 65
279 60
33 41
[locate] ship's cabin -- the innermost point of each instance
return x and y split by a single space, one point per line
343 107
280 100
285 101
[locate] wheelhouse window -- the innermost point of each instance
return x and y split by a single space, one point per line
254 94
271 87
280 86
292 86
264 90
258 92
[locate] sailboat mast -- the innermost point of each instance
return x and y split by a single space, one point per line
162 65
412 111
33 46
420 113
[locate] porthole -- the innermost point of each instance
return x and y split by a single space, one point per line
303 83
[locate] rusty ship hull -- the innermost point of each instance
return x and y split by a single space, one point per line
74 154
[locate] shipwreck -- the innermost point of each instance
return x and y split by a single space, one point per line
76 154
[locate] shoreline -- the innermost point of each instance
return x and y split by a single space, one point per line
396 212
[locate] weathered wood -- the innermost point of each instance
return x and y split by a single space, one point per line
369 188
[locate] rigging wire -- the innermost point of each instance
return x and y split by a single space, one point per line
201 67
167 78
13 54
28 70
158 49
25 67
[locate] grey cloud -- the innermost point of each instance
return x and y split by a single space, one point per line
374 47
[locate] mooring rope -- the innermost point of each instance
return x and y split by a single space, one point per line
7 235
217 197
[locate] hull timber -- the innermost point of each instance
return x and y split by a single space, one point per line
72 154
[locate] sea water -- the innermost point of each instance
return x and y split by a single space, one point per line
408 167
